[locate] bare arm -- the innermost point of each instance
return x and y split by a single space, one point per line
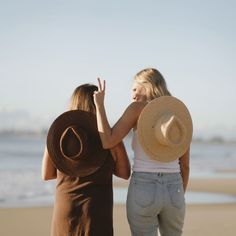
112 136
184 168
48 169
122 164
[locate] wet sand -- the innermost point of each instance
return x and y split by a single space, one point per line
201 219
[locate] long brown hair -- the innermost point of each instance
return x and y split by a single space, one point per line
82 98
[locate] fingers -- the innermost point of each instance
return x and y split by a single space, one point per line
104 85
101 85
99 95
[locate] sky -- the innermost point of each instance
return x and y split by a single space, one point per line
49 47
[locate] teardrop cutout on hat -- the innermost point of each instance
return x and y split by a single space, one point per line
72 142
170 131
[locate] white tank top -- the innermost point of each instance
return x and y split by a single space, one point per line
142 163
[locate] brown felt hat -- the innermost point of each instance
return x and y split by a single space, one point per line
165 129
74 144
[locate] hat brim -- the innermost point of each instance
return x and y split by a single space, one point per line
145 128
96 154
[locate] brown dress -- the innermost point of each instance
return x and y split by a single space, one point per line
84 205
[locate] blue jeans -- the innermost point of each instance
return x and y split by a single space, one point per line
155 201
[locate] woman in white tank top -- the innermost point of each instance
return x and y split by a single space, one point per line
156 191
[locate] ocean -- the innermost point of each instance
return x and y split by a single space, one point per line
20 171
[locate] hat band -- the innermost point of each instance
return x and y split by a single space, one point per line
72 143
170 131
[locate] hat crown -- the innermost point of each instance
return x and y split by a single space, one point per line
73 142
165 129
170 131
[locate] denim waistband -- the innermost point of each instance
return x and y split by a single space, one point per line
157 175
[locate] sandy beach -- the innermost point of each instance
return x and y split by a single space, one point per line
201 219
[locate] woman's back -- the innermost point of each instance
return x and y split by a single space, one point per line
83 205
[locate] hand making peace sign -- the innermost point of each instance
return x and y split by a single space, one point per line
99 95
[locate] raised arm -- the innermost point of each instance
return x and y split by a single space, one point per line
48 169
184 168
122 164
112 136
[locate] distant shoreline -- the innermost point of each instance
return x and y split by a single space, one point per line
42 132
217 139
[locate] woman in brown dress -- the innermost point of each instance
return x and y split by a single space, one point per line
84 194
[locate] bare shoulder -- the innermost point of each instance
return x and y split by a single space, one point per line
128 119
132 113
134 109
137 107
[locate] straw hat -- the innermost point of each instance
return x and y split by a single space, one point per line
165 129
74 144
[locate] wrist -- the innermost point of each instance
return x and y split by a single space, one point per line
99 106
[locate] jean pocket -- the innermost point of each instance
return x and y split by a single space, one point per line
176 193
144 193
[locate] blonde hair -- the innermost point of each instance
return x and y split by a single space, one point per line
82 98
153 81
